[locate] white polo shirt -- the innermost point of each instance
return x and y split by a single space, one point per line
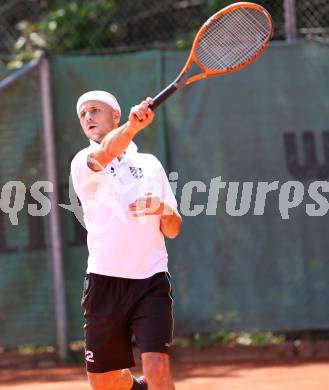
120 244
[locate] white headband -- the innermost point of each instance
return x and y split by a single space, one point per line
100 96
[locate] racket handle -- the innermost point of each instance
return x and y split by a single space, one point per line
163 95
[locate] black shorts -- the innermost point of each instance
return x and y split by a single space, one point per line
117 308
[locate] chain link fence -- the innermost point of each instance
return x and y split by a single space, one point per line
81 26
313 19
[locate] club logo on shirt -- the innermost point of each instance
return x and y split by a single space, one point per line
136 172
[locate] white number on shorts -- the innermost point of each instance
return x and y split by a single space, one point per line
90 356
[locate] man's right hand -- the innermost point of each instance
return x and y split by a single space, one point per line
141 116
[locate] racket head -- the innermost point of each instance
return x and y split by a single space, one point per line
230 39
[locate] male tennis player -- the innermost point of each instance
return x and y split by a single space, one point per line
129 208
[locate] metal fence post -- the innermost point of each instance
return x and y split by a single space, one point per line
55 235
290 23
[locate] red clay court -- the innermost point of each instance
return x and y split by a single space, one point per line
197 375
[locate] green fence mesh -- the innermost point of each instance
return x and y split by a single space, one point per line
268 122
26 308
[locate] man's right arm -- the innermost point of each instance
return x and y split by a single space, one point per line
116 141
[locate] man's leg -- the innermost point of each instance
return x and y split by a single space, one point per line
107 335
115 380
152 324
111 380
156 368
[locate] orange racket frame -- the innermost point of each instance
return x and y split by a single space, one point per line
174 86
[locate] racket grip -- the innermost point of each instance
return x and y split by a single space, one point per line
162 96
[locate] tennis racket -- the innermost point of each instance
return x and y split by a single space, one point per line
228 41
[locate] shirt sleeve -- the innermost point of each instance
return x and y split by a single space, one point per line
85 181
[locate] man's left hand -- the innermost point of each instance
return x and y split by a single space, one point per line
148 205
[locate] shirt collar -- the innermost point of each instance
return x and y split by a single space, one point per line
131 148
93 143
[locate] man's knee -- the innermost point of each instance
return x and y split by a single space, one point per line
119 379
155 366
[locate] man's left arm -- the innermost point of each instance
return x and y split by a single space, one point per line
170 222
163 204
170 219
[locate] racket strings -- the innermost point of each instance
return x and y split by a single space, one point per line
241 51
235 46
235 43
233 39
